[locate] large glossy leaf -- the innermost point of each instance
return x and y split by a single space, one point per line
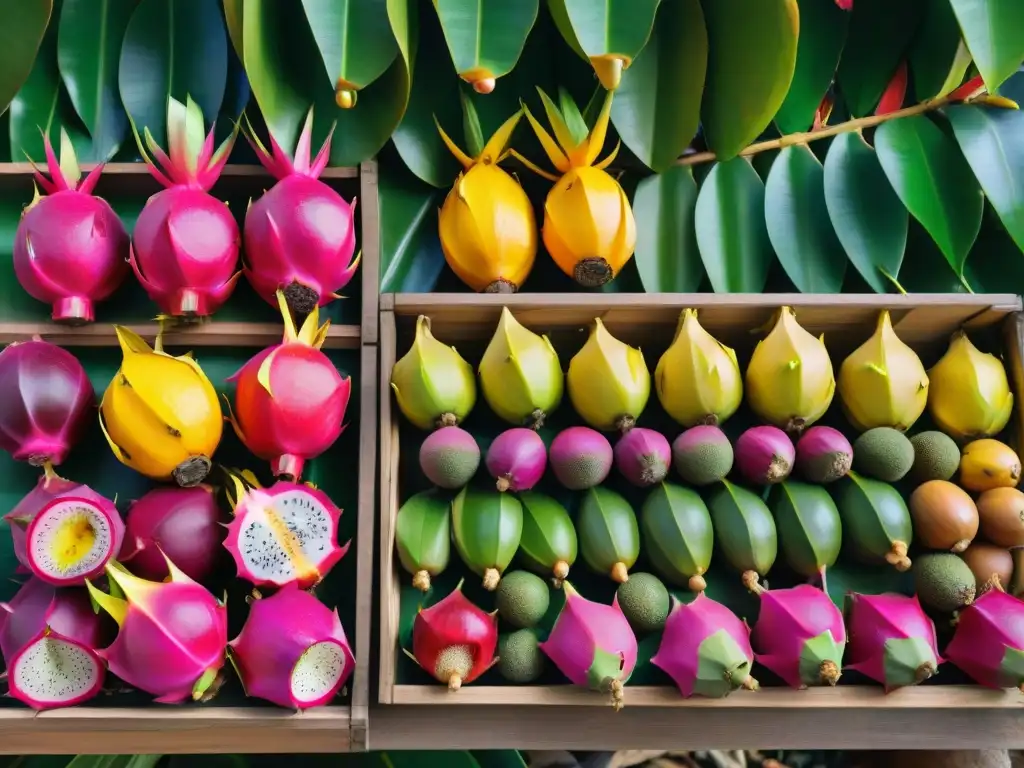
657 106
234 10
666 238
798 222
173 48
880 32
938 57
35 107
822 35
751 62
992 140
929 173
354 38
866 213
994 31
411 259
995 261
21 31
485 37
731 232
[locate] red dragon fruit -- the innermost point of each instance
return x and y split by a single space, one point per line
185 243
70 249
49 639
290 400
292 650
282 534
46 401
989 641
454 640
705 649
800 635
592 644
172 634
299 236
892 640
64 532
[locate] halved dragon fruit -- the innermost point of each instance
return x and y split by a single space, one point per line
64 532
292 650
282 534
989 640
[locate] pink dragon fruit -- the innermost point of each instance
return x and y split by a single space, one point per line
64 532
593 645
800 635
172 634
292 650
892 640
705 649
282 534
290 400
989 641
70 249
49 639
299 237
185 243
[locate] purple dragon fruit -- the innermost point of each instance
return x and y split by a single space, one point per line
705 648
592 644
892 640
989 641
800 635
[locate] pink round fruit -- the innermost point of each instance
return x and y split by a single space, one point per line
516 459
765 455
580 457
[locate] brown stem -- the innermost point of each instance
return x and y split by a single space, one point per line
503 484
615 688
697 583
491 578
897 557
925 671
750 581
750 684
829 672
620 573
960 546
454 682
561 573
421 580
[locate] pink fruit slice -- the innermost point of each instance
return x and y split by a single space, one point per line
72 539
55 671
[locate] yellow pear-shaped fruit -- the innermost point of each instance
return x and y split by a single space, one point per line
608 381
433 385
520 375
698 380
969 396
789 380
883 383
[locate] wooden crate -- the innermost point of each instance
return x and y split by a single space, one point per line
537 716
243 326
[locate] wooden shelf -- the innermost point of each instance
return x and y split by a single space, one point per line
139 169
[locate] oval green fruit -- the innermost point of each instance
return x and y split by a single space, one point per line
608 531
487 526
809 529
677 535
745 530
876 521
422 533
548 545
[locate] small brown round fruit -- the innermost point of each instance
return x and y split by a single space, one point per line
987 464
1001 511
987 560
944 515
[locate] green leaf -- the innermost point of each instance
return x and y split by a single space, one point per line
929 173
88 53
798 223
173 48
486 37
731 231
938 58
21 33
233 14
823 28
354 38
750 66
411 256
656 108
880 31
499 758
666 239
992 140
36 106
995 261
994 31
867 215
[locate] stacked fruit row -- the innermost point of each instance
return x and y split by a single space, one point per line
753 497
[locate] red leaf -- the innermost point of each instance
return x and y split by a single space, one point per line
846 5
973 87
823 112
895 91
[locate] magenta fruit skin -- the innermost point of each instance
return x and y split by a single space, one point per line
702 433
824 446
516 459
871 620
46 402
765 455
643 456
986 631
575 443
446 439
38 605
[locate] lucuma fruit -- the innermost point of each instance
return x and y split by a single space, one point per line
989 641
423 536
487 527
745 530
677 535
608 532
876 521
808 524
548 544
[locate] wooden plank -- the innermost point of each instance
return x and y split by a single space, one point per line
370 230
139 169
389 587
1013 357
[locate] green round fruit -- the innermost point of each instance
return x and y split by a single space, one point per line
520 659
644 601
943 581
936 456
522 598
883 453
